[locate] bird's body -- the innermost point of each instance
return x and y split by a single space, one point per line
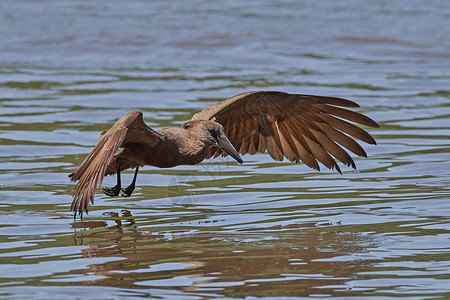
175 146
299 127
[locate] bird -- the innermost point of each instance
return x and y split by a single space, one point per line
298 127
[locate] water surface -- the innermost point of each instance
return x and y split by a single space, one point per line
69 69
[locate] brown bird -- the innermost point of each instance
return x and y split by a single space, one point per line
299 127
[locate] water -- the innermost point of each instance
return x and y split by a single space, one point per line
69 69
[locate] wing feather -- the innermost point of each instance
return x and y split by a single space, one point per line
321 155
332 148
299 127
277 147
128 129
350 115
289 148
254 139
349 129
343 140
305 154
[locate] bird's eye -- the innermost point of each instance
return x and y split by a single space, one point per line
213 133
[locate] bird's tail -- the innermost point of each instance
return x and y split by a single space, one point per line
91 172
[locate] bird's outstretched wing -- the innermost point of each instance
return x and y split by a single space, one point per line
128 129
299 127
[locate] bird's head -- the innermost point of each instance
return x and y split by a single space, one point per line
213 133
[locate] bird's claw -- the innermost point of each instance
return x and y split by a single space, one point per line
127 191
113 191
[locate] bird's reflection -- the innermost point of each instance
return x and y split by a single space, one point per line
291 260
125 218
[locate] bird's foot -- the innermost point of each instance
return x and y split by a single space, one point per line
113 191
128 191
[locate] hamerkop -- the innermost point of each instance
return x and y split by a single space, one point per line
299 127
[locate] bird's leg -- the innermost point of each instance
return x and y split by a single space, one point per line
129 189
114 191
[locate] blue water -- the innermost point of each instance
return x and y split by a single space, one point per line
69 69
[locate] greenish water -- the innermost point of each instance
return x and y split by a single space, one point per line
69 69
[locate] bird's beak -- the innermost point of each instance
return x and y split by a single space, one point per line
225 145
